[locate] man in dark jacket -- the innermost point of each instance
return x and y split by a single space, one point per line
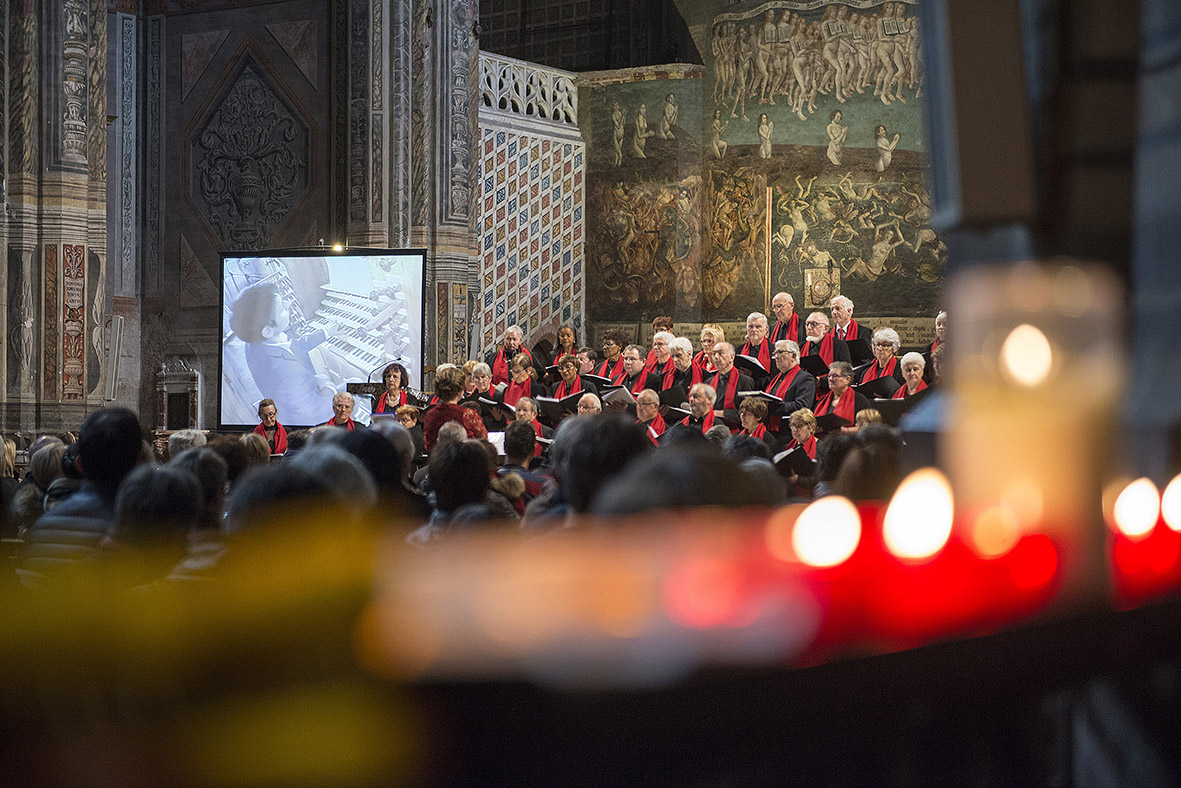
109 447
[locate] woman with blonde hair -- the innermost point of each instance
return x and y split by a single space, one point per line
711 334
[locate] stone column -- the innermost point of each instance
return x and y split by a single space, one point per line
445 53
55 208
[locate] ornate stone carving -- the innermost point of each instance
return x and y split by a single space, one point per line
155 162
401 79
250 161
52 325
510 85
22 335
98 335
461 117
128 177
358 110
74 73
96 63
22 147
73 320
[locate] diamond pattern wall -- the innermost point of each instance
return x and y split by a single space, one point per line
531 234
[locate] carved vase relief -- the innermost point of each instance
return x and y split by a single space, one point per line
250 162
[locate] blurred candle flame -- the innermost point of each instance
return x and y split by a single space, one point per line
918 520
1137 508
1027 356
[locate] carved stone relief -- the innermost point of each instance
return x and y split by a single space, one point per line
73 321
74 88
250 162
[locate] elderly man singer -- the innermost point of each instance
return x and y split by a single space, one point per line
788 324
821 342
757 345
795 386
728 382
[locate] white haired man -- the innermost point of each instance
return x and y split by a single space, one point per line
728 381
499 359
844 326
794 385
819 341
757 345
342 411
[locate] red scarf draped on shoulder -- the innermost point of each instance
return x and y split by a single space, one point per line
383 406
638 386
500 365
650 363
706 423
565 391
873 372
763 354
852 331
350 425
702 362
825 351
901 392
280 446
656 428
517 390
611 370
846 408
782 382
789 330
537 431
731 388
759 432
666 373
809 446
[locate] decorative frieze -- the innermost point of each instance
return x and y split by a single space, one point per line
527 89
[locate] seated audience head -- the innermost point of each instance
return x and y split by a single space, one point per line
740 447
155 510
589 405
831 453
400 439
110 444
459 474
872 468
718 434
867 417
233 452
593 451
185 439
449 383
258 452
212 474
451 431
350 484
379 456
405 415
937 364
519 442
46 464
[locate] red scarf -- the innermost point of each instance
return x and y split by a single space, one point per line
763 355
782 382
789 330
611 370
825 351
702 362
809 446
650 364
901 392
759 432
500 365
565 391
537 444
846 409
656 428
731 388
705 424
934 345
381 402
280 437
852 331
873 372
517 390
666 374
638 386
348 425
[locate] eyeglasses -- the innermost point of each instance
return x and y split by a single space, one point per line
883 344
784 353
836 375
814 323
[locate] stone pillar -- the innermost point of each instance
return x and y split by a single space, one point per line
445 53
55 208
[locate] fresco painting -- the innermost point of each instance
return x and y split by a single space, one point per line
805 173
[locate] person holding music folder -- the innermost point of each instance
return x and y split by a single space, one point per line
523 380
449 388
660 324
728 381
687 373
757 346
612 365
571 382
711 334
270 428
913 365
661 364
793 384
395 379
803 435
752 415
342 411
500 359
819 341
635 379
841 400
885 362
788 324
648 414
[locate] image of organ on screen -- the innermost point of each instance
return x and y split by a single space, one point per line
298 329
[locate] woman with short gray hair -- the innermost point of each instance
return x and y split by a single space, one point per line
885 363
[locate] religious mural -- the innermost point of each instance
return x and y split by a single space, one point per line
811 175
643 193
